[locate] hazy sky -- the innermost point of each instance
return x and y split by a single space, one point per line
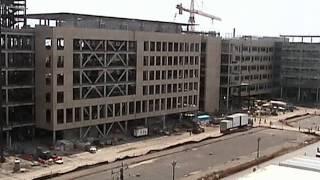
249 17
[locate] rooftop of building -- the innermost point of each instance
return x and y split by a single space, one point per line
65 19
72 16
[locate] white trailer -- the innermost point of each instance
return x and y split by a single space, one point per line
140 131
225 125
234 121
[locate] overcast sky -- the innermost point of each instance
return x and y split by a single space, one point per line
249 17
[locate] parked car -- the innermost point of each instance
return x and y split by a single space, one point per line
198 130
92 149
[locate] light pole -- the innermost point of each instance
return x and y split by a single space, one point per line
174 163
258 148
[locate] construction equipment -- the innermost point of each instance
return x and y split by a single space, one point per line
194 11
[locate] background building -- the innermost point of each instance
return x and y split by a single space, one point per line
246 64
17 74
300 73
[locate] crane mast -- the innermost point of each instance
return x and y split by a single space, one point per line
194 11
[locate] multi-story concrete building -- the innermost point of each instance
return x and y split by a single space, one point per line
94 72
246 69
300 73
17 72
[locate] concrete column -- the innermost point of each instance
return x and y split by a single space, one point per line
281 92
146 122
228 92
317 99
164 122
126 126
180 117
299 92
53 137
9 144
80 133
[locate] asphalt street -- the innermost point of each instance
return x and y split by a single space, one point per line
193 159
310 150
311 122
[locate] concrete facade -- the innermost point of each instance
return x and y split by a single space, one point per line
161 70
210 74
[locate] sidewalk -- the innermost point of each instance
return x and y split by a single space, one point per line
114 153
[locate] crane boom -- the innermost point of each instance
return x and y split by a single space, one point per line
194 11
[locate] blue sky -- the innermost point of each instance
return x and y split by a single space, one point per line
249 17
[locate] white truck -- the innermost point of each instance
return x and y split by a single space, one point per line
140 131
234 121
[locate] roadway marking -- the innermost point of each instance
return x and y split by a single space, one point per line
142 163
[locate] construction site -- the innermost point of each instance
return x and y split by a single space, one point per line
299 75
17 77
73 82
124 73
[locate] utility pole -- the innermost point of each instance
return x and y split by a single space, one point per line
174 163
120 173
258 148
2 160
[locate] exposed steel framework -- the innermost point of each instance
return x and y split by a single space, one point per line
13 13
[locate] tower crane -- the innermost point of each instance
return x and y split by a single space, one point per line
194 11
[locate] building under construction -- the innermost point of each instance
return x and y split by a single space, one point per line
17 75
300 73
94 73
83 75
246 70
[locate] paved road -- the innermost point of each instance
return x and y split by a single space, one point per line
306 151
310 122
194 159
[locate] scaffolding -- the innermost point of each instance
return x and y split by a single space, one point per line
13 13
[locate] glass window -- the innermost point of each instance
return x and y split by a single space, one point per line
131 107
124 109
151 60
117 109
145 60
60 116
60 97
151 75
48 115
164 60
164 46
157 75
158 60
60 62
48 43
158 46
152 46
145 75
146 46
69 115
77 114
138 107
60 79
151 90
151 105
60 43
